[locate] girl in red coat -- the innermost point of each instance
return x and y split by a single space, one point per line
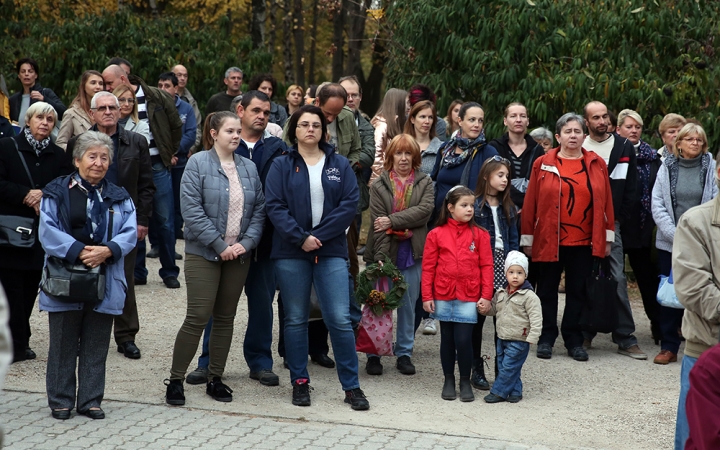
457 277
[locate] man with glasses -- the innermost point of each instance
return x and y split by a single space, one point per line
182 75
619 155
131 168
158 110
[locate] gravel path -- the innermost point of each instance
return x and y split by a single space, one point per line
611 401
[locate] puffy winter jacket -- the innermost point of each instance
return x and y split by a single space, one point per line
519 315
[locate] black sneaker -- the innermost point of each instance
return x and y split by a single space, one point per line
219 391
514 398
373 366
175 394
544 351
405 365
171 282
578 354
356 398
301 393
266 377
492 398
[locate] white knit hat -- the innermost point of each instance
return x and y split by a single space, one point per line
515 258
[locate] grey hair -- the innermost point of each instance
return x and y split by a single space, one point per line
567 118
93 102
234 104
91 139
231 70
541 133
40 108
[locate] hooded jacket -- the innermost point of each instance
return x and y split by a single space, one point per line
56 240
519 315
531 153
287 190
540 218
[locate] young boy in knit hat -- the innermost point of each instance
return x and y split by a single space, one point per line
519 323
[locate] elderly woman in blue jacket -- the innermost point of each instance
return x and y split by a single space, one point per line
78 213
223 205
312 197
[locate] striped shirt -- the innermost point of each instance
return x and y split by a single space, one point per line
143 116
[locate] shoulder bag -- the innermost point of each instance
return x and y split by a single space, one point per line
71 282
18 231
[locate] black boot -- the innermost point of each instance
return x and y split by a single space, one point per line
449 392
466 392
477 378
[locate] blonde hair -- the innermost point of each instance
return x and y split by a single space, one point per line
690 128
120 90
625 113
671 121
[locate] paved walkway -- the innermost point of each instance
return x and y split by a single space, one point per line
27 423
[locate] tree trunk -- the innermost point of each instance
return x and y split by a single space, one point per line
372 89
272 32
257 29
339 39
313 43
357 14
287 42
299 33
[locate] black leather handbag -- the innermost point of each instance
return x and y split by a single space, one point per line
600 314
75 282
18 231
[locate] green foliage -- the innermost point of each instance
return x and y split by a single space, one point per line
65 49
655 57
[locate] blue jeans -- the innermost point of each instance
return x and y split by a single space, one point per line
405 334
511 356
329 275
258 336
163 219
682 429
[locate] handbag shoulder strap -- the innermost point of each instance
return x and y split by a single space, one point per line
22 160
111 213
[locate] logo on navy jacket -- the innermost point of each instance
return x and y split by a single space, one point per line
183 117
333 174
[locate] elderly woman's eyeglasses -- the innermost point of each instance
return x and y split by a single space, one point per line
697 141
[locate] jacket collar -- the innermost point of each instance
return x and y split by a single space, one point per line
58 189
325 147
526 285
551 158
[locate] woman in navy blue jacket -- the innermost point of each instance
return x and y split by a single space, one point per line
459 160
311 199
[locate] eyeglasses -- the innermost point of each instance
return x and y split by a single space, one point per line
697 141
499 159
129 101
354 96
303 125
105 108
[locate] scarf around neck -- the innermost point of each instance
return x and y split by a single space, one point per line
402 192
451 159
38 146
645 156
96 223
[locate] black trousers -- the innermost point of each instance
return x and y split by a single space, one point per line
646 273
21 288
127 324
577 263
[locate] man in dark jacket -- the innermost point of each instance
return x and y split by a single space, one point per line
158 110
619 155
254 112
131 168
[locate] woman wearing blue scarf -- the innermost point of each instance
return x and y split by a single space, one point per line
459 160
637 235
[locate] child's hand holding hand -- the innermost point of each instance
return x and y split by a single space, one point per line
429 306
483 306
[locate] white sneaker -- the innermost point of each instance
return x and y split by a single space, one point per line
428 326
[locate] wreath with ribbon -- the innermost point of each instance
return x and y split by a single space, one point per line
373 289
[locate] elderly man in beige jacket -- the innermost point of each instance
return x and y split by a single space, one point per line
696 271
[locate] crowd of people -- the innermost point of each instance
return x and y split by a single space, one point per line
270 197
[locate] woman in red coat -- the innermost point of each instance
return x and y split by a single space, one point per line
457 277
567 221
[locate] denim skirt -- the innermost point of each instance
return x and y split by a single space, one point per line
455 311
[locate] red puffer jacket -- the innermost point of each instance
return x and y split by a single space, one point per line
457 264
